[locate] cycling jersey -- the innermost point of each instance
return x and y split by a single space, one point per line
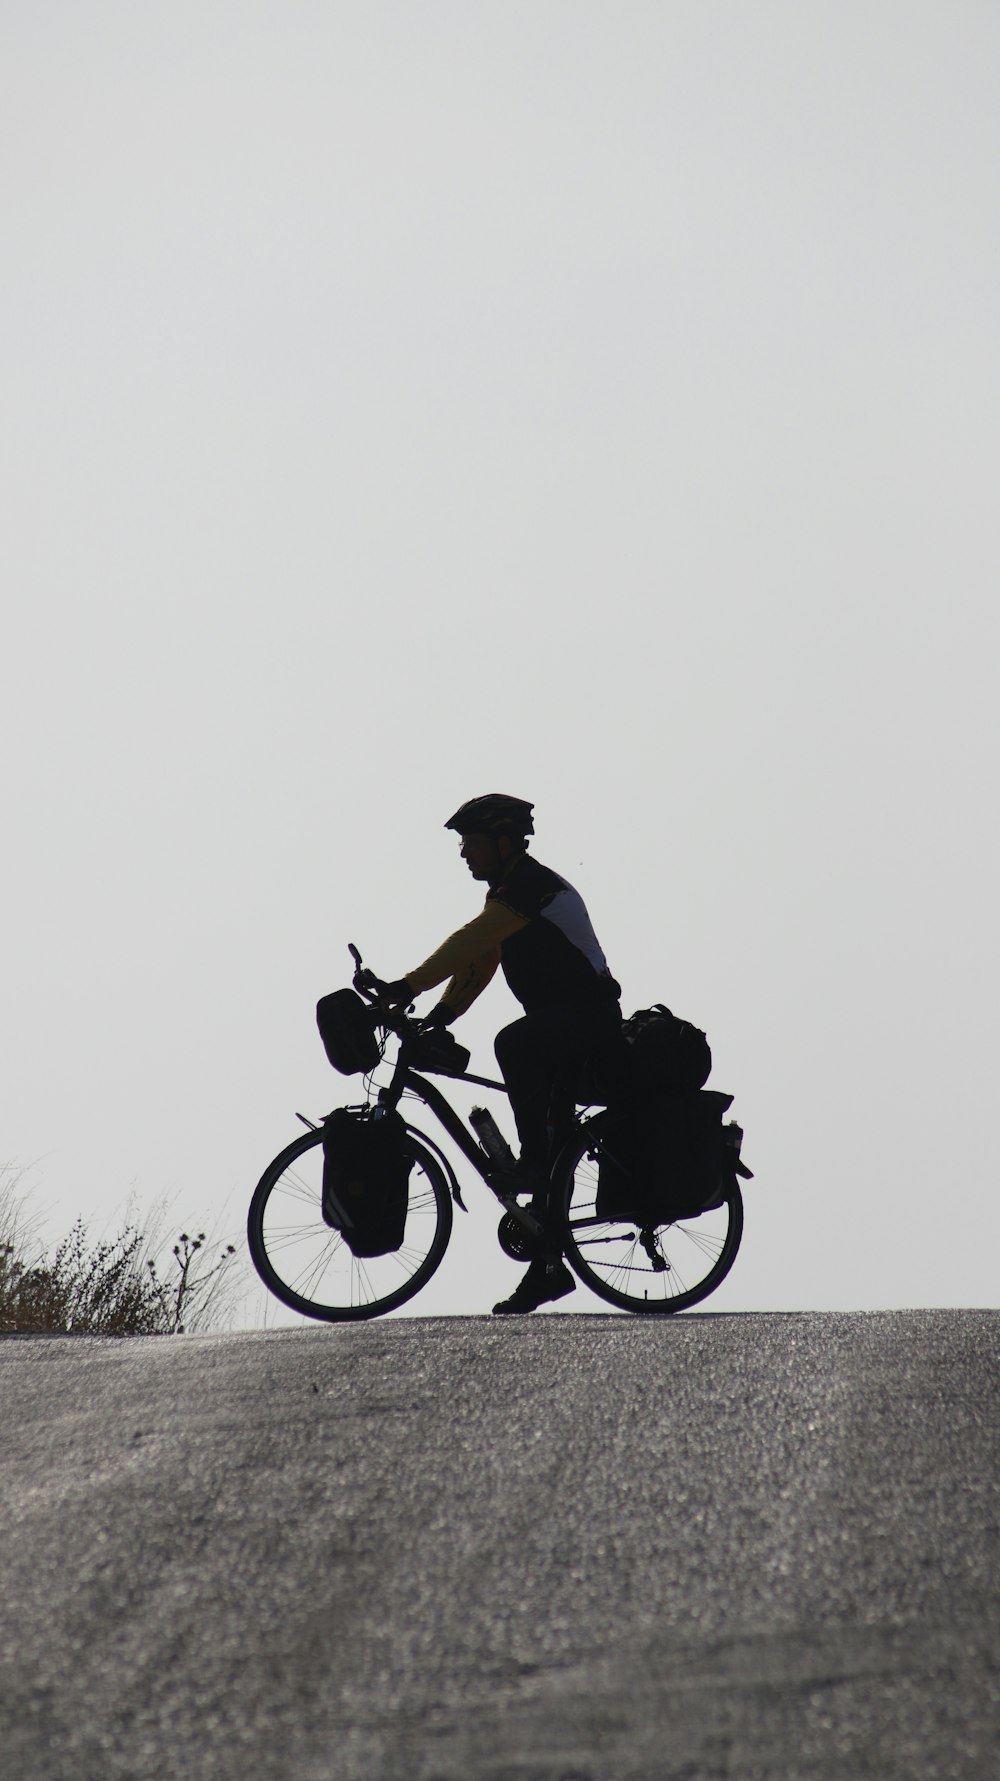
536 927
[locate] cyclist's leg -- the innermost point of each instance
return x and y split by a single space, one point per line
533 1054
542 1058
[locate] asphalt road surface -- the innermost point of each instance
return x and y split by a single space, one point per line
562 1548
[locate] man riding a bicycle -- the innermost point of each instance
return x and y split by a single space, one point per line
535 927
639 1192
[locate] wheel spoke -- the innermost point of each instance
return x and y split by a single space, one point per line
296 1237
296 1188
709 1244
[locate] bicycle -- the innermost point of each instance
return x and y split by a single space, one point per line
651 1269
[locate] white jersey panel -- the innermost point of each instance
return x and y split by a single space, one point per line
567 911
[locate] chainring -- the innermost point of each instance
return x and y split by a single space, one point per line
515 1241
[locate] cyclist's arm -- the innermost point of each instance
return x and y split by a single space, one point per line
474 944
469 983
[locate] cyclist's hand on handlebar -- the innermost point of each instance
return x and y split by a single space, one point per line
398 992
438 1018
390 994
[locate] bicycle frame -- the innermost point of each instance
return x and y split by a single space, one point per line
405 1078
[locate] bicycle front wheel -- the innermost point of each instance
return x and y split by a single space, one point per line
311 1269
659 1269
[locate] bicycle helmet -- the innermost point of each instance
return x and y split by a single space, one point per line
494 814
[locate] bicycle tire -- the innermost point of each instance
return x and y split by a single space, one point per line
625 1276
286 1235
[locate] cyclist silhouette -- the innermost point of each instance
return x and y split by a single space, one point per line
535 926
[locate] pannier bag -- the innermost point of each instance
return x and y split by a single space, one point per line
656 1054
366 1177
347 1029
663 1054
673 1161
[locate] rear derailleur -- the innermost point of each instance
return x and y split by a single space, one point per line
651 1244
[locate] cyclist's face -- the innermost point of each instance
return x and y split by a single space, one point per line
482 855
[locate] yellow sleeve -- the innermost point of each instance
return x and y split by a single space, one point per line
466 985
466 946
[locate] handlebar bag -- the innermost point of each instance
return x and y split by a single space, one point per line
347 1029
366 1178
439 1053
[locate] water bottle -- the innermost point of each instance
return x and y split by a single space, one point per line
491 1137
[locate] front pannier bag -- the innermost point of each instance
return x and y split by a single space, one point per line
366 1178
347 1029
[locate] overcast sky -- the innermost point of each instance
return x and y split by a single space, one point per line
592 402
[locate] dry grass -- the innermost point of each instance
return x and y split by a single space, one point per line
107 1288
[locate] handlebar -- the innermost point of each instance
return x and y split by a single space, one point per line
437 1050
394 1016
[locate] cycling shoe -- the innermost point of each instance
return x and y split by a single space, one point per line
544 1282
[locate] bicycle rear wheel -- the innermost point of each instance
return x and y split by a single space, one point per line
659 1269
311 1269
